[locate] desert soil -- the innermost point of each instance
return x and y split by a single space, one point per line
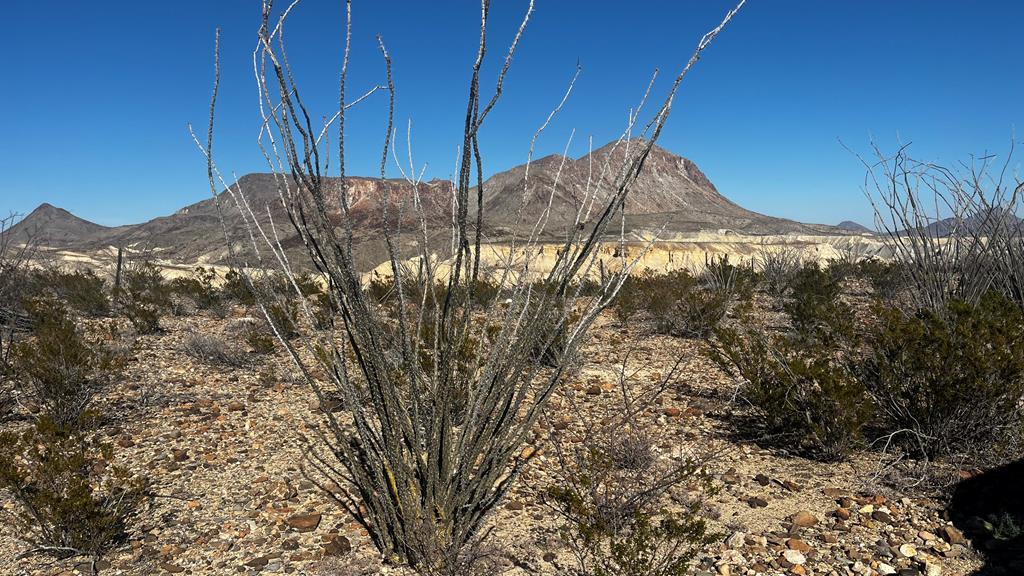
224 448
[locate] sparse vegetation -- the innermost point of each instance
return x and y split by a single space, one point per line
144 296
802 392
678 303
71 500
611 492
58 368
83 290
814 308
948 383
213 350
778 268
199 289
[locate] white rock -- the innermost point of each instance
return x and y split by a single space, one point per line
737 540
884 569
794 557
908 551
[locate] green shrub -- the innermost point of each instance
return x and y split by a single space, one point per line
887 278
144 296
83 291
70 501
614 529
199 288
676 303
801 392
236 288
814 308
728 280
953 381
58 368
283 315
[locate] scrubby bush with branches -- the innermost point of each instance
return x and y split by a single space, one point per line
425 450
199 288
82 290
955 233
611 490
143 296
213 350
70 499
14 322
803 393
676 302
777 268
948 383
814 308
58 369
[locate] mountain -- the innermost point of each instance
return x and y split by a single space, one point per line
981 222
52 226
671 194
671 191
854 227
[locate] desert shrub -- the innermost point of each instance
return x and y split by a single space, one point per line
420 471
83 291
309 285
254 332
676 303
212 350
814 308
886 279
610 490
58 368
801 392
953 381
727 279
199 288
143 296
236 289
778 268
70 501
283 314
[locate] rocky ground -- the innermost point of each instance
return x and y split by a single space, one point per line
224 447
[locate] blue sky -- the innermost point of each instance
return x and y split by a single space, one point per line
97 94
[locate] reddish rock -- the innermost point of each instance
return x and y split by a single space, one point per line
304 522
804 519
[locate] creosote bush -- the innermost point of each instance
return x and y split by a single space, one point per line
677 303
236 289
814 308
82 290
199 289
70 500
802 392
948 383
58 368
144 296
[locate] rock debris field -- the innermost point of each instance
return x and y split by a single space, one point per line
224 450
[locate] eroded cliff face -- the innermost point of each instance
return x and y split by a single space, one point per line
681 251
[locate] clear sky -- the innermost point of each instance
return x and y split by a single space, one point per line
96 95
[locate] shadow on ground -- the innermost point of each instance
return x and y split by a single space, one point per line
989 509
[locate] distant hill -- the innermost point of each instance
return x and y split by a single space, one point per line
671 192
52 226
854 227
977 223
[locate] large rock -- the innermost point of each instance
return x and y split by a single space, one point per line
304 522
